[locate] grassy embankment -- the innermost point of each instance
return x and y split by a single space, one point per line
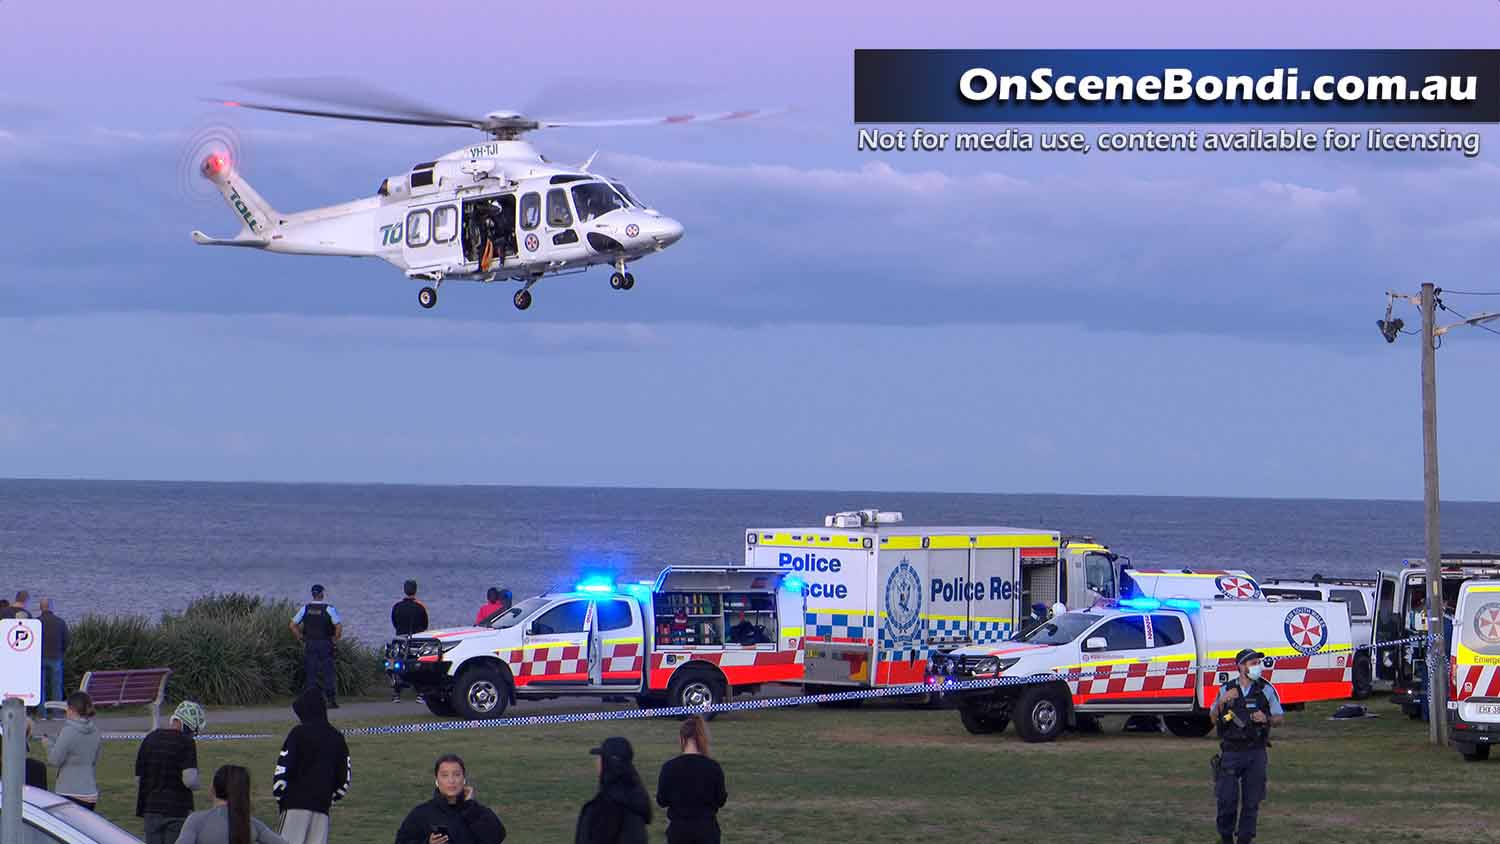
900 775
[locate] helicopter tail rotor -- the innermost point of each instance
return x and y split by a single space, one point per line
257 218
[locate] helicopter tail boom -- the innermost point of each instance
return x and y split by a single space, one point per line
257 218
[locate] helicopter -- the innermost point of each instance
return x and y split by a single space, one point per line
494 211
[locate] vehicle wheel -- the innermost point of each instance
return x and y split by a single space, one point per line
1189 726
427 297
617 281
480 693
437 704
629 281
980 724
1474 752
1040 713
522 299
696 688
1363 681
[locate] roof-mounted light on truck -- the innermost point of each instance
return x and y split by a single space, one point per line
1146 604
597 584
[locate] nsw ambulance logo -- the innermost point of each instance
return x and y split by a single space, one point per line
1305 630
1239 588
903 601
1487 624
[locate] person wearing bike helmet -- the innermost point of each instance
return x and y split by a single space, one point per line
166 772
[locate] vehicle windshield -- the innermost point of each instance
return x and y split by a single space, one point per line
629 197
595 199
513 616
1061 629
93 825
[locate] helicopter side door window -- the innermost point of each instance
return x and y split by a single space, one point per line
444 224
418 228
558 213
531 211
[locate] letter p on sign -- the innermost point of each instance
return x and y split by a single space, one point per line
21 660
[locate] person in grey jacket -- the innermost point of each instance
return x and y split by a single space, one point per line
75 753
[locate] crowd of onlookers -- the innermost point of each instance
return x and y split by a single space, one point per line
313 768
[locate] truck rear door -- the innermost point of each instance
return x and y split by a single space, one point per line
617 645
1387 627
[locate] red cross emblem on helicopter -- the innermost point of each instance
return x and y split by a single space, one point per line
1487 623
1239 588
1305 630
532 243
632 230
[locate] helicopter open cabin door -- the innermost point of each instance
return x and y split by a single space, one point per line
431 240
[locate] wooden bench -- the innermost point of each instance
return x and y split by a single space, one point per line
124 688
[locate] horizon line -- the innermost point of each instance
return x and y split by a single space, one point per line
616 486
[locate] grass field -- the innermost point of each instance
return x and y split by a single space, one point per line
891 774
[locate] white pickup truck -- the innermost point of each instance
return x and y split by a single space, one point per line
1145 656
693 637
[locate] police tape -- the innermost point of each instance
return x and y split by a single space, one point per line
926 688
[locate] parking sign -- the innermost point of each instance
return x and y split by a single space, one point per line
21 660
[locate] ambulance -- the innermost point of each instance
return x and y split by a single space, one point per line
1474 689
1400 614
693 637
883 595
1149 656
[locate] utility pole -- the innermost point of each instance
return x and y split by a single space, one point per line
13 768
1437 647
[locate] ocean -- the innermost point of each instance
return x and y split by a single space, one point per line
116 547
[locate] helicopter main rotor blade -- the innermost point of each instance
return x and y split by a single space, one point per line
368 118
658 121
348 93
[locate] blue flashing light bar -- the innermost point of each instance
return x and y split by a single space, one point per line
794 583
599 583
1141 603
1184 604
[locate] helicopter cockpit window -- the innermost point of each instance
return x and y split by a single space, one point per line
444 224
531 210
595 199
629 197
557 208
418 228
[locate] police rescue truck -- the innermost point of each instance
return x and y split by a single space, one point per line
695 636
881 595
1474 692
884 596
1149 656
1400 613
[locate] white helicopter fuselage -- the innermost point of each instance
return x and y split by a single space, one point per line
489 212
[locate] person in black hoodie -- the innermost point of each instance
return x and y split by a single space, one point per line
408 616
619 813
452 816
312 772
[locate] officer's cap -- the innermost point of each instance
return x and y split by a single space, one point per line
1247 653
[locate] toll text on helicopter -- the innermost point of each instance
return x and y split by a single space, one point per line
1190 140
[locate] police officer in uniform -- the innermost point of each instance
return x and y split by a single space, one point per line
1244 712
317 627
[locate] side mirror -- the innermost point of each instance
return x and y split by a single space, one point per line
1095 643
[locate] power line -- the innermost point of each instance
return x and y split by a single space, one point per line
1472 292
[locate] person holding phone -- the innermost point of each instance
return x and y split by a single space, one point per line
452 816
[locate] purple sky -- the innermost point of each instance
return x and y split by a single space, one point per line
1154 323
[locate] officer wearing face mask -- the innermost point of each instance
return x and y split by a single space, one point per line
1244 712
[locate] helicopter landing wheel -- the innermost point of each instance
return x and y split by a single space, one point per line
427 297
629 282
617 281
522 299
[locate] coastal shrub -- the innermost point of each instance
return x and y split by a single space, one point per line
224 650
